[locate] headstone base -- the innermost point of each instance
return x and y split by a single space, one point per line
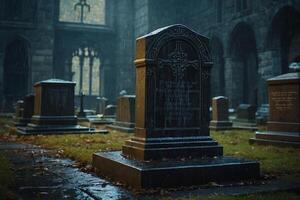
244 124
291 139
173 173
21 122
33 129
220 125
122 126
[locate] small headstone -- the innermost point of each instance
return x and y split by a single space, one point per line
262 114
110 111
171 146
220 115
19 113
81 114
27 109
125 119
245 117
53 109
101 104
283 126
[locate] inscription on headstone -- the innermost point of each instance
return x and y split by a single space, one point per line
283 100
177 87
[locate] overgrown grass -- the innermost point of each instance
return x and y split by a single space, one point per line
79 147
273 159
6 178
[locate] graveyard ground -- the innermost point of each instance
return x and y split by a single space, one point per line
276 163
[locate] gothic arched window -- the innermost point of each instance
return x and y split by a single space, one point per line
86 71
82 11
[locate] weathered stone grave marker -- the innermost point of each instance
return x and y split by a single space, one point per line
101 104
27 109
19 113
125 119
245 117
171 146
53 109
283 126
220 114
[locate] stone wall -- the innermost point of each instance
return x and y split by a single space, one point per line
39 37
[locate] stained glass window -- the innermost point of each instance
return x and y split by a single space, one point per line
86 71
82 11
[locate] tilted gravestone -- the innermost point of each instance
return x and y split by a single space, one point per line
171 145
220 114
283 126
245 117
125 118
53 109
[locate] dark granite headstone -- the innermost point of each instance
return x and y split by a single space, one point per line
172 99
283 126
125 119
53 109
28 108
81 114
220 115
245 117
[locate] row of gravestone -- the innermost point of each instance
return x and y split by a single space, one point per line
171 145
245 115
50 110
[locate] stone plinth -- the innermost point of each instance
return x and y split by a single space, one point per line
245 117
125 119
283 126
220 114
53 109
171 136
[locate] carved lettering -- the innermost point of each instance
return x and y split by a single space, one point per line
284 100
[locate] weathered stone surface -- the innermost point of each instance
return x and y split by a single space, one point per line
283 126
262 114
125 119
101 104
110 111
172 117
220 114
53 109
245 117
19 113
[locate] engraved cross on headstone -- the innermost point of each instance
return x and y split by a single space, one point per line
178 62
82 4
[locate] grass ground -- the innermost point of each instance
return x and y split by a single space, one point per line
6 178
277 161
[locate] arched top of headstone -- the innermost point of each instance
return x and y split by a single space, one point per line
220 97
54 81
148 46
